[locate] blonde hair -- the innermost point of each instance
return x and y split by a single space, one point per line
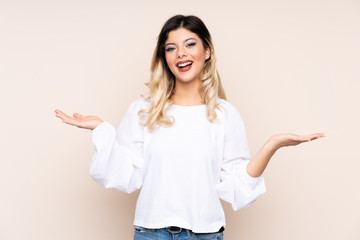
162 81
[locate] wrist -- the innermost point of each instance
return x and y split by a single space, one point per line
272 145
96 124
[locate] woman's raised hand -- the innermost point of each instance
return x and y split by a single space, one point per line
284 140
78 120
258 164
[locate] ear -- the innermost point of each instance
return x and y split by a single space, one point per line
207 53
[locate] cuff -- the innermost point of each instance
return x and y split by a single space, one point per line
250 181
102 134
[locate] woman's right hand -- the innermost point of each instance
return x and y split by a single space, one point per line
78 120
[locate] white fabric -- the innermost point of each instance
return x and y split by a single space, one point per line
182 170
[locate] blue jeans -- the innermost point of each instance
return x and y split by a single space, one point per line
142 233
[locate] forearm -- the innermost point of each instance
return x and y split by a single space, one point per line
258 164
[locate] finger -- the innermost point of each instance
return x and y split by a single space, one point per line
310 137
317 135
57 111
77 115
299 138
64 116
60 114
70 121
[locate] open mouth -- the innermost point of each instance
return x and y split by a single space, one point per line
183 65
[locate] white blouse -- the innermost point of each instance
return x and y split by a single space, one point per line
182 170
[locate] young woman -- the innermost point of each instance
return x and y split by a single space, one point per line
184 145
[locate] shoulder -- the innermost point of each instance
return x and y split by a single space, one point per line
139 104
228 109
225 104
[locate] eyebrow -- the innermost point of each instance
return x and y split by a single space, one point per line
184 41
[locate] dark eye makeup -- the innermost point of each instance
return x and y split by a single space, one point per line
169 49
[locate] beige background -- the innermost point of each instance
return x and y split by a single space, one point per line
288 66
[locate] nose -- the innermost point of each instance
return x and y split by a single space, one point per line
181 53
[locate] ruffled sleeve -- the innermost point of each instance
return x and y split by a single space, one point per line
236 186
117 162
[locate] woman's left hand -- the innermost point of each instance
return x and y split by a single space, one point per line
258 164
285 140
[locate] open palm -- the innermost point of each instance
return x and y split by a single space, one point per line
79 120
284 140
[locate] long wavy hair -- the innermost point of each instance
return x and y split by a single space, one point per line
162 80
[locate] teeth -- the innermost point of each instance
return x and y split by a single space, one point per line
184 64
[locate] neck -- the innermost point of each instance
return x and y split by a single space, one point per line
187 94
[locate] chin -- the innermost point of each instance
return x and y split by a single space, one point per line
185 80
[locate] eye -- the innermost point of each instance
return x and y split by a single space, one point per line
169 49
191 44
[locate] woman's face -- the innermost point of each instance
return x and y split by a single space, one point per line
185 55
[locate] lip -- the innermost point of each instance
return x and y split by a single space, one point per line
181 62
184 69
